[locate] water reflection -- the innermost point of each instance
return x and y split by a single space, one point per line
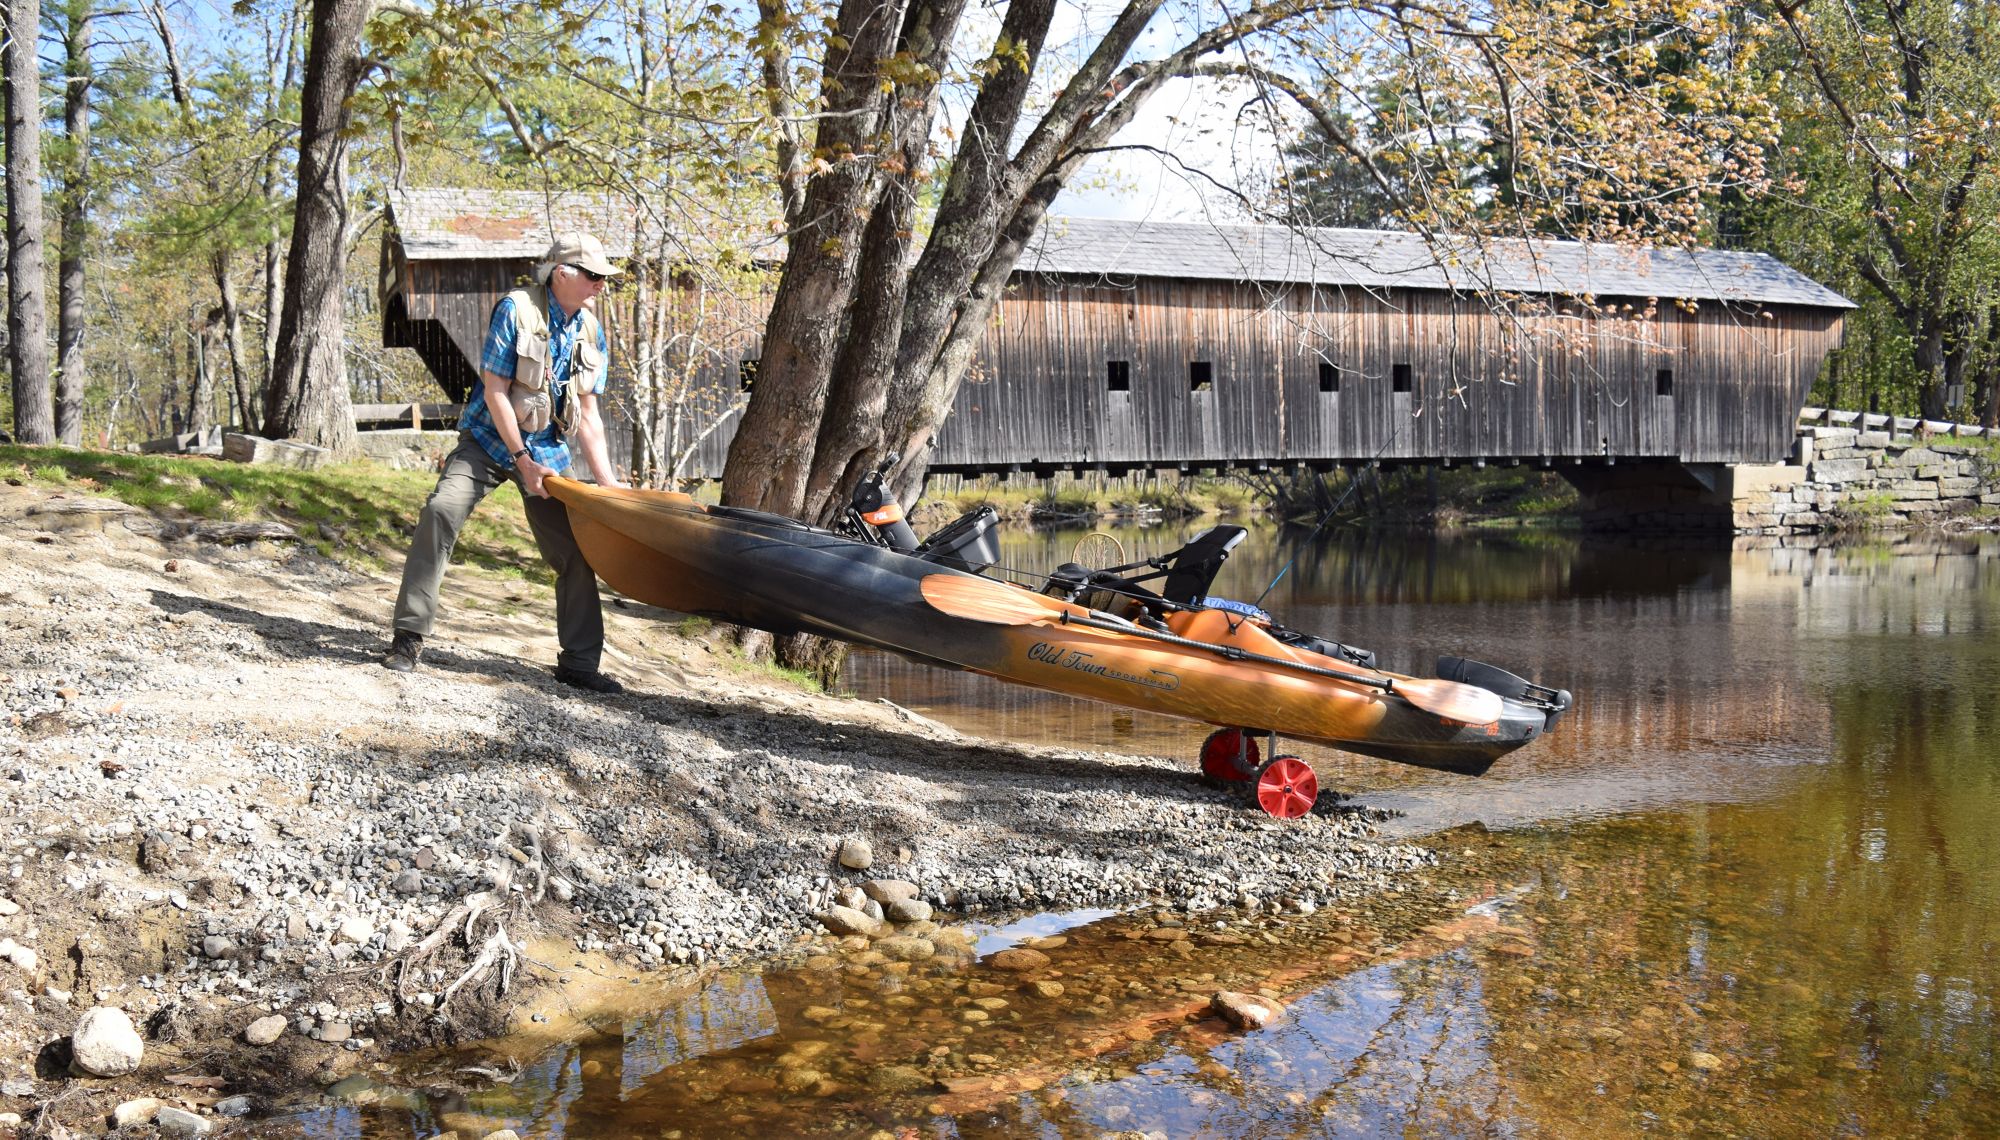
1745 890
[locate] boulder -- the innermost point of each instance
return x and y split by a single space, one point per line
856 855
265 1030
909 910
105 1044
133 1113
172 1121
888 891
846 920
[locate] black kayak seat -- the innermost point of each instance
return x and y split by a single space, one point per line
1193 567
1188 572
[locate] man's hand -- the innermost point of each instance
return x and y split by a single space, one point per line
532 474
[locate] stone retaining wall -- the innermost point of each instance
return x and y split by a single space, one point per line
1844 476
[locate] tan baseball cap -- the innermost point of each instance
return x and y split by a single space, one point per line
575 247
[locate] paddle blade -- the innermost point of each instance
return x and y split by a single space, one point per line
982 599
1452 700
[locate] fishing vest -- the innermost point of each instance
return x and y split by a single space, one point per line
534 406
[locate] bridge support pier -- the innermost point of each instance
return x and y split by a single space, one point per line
1654 495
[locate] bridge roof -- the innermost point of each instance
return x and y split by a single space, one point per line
452 223
457 223
1384 259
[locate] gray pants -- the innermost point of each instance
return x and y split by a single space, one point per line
469 474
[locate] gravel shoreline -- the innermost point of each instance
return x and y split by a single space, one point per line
219 808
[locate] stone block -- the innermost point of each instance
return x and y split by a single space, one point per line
1919 457
1747 480
1916 506
1958 486
201 442
1869 439
1990 498
1805 520
406 449
239 448
1837 470
1831 436
1913 489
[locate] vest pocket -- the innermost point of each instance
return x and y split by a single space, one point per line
529 392
531 408
585 361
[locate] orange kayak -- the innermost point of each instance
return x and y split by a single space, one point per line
1187 659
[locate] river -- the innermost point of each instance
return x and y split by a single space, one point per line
1746 888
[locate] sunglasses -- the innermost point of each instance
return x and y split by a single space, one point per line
595 278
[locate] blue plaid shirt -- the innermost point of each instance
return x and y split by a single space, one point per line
497 356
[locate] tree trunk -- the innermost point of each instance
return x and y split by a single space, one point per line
232 335
283 62
850 440
27 298
307 395
70 371
201 392
770 462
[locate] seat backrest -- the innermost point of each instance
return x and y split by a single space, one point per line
1195 565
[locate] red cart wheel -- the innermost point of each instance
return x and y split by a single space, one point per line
1287 787
1231 755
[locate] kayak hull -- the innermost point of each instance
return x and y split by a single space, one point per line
779 575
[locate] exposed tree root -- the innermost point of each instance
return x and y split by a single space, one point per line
520 881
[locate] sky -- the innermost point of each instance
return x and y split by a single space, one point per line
1204 125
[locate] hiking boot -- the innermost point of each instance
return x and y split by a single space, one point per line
588 679
404 651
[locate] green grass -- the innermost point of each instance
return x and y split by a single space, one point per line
1863 511
1065 502
356 513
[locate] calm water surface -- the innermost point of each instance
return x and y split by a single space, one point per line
1748 887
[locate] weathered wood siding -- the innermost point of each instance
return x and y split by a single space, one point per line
1482 384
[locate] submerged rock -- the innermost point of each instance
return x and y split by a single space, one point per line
1245 1011
1019 959
905 948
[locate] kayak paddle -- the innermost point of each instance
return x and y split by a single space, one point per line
996 603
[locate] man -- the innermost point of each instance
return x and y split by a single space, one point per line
542 370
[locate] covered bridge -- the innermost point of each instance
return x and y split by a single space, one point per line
1130 345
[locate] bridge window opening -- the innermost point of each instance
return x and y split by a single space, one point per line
1329 376
1663 382
1399 378
1118 375
1201 375
746 372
